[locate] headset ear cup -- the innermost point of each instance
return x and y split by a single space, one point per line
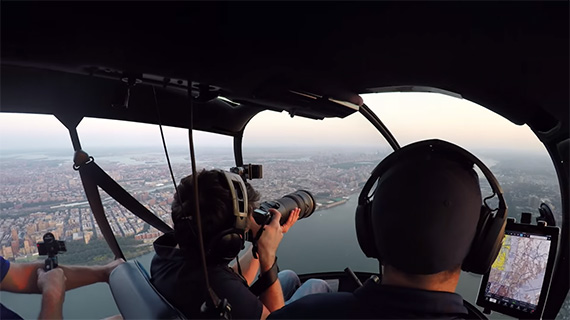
225 246
364 232
492 243
486 243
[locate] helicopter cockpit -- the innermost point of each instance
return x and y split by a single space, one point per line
266 88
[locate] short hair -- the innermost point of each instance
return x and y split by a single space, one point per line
214 197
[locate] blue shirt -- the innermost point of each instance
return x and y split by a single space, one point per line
375 301
4 266
6 313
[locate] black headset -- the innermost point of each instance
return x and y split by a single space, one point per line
490 228
225 245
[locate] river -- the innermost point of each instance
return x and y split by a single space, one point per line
325 241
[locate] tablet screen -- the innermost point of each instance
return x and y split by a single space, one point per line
520 276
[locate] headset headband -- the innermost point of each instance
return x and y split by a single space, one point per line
441 147
238 192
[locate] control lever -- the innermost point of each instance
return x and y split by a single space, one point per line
546 215
353 276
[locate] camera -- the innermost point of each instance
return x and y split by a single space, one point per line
249 171
50 247
302 199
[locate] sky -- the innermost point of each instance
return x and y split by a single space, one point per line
409 116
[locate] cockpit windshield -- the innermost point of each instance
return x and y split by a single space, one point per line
331 158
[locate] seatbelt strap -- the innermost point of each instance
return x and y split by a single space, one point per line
81 161
92 176
70 121
113 189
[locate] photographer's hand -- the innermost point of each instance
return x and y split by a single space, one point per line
52 286
293 217
269 241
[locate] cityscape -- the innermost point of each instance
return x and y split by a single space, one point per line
42 192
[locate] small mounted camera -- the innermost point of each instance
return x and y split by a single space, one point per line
50 247
249 171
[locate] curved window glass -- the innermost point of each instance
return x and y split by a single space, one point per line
331 158
42 193
513 153
334 157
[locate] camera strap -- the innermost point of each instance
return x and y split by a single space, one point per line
254 242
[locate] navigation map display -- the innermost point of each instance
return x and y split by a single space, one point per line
518 281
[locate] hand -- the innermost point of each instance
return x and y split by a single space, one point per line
52 282
269 241
293 217
52 286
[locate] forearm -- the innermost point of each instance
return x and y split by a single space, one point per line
272 297
52 305
249 266
78 276
22 278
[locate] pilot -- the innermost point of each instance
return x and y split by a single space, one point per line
422 222
176 269
31 278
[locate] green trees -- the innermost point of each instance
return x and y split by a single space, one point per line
98 252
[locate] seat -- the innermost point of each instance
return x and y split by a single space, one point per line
135 295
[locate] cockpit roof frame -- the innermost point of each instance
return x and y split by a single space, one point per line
509 58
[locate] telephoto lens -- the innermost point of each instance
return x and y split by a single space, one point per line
301 199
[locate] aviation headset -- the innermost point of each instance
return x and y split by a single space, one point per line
490 228
225 245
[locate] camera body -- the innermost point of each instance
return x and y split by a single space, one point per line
262 215
50 247
301 199
249 171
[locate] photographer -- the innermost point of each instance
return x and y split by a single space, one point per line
176 268
31 278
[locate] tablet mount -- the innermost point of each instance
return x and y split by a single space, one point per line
519 279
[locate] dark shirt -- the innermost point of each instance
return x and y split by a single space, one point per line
6 313
181 281
375 301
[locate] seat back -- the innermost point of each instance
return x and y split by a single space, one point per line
135 295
